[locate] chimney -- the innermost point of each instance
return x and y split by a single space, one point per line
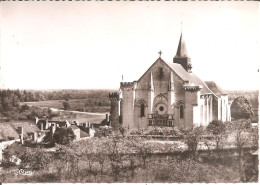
36 120
41 126
20 130
47 124
67 123
107 118
35 136
84 125
55 126
52 130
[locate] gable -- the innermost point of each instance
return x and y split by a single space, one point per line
154 68
180 75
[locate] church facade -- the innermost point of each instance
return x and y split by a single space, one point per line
168 95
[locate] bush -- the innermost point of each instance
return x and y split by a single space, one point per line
66 105
241 108
104 132
192 138
64 136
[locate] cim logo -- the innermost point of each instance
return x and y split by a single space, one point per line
25 171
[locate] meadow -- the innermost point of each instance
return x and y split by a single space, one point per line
75 104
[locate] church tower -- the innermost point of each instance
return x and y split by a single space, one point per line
182 57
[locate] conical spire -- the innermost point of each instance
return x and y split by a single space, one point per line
182 57
151 82
181 51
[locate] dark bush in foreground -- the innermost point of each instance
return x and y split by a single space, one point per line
64 136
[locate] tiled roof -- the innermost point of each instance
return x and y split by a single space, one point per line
74 127
7 130
27 127
191 77
215 88
83 134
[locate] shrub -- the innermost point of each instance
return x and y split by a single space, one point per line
218 129
104 132
241 108
64 136
192 138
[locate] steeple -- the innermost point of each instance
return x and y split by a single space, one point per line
181 56
181 51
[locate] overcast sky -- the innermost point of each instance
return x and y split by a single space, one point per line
88 45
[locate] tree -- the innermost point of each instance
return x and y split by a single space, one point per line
66 105
241 108
218 129
192 138
242 137
64 136
24 108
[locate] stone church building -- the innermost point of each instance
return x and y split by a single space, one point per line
167 95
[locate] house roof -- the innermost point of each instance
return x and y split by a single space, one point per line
215 88
27 127
74 127
83 134
7 130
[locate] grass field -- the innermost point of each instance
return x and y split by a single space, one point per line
75 104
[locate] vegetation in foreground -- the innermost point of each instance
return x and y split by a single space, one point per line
124 158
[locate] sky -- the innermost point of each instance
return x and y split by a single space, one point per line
90 45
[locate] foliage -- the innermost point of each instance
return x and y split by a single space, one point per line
192 138
64 136
144 151
15 149
242 138
241 108
11 101
218 129
24 108
122 130
36 158
125 159
66 105
104 132
115 156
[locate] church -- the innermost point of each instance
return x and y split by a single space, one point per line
168 95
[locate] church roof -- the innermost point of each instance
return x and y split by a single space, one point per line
181 51
191 77
185 76
215 88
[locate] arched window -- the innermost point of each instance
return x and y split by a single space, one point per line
181 111
142 110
